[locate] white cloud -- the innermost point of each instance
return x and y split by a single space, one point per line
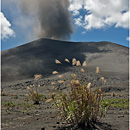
123 22
76 5
101 13
6 30
128 38
76 12
79 21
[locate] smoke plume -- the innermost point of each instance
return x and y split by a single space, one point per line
52 17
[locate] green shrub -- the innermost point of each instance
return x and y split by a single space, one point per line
82 105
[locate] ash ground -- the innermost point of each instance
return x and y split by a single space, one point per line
43 116
21 63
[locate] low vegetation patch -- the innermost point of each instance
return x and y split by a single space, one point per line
33 93
82 105
12 105
118 103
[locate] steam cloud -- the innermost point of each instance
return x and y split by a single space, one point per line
52 17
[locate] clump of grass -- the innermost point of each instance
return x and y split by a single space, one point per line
82 105
57 61
54 72
74 61
84 64
67 60
78 63
37 76
35 96
33 93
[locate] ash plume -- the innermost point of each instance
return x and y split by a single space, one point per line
52 17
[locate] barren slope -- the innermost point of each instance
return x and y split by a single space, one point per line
38 57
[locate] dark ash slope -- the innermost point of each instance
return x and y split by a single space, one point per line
38 57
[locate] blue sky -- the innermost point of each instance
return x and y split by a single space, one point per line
93 20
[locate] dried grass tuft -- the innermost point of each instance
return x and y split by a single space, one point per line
37 76
67 60
60 76
57 61
82 104
82 70
84 64
97 70
74 61
78 63
54 72
61 81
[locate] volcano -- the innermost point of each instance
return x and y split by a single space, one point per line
20 64
38 57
